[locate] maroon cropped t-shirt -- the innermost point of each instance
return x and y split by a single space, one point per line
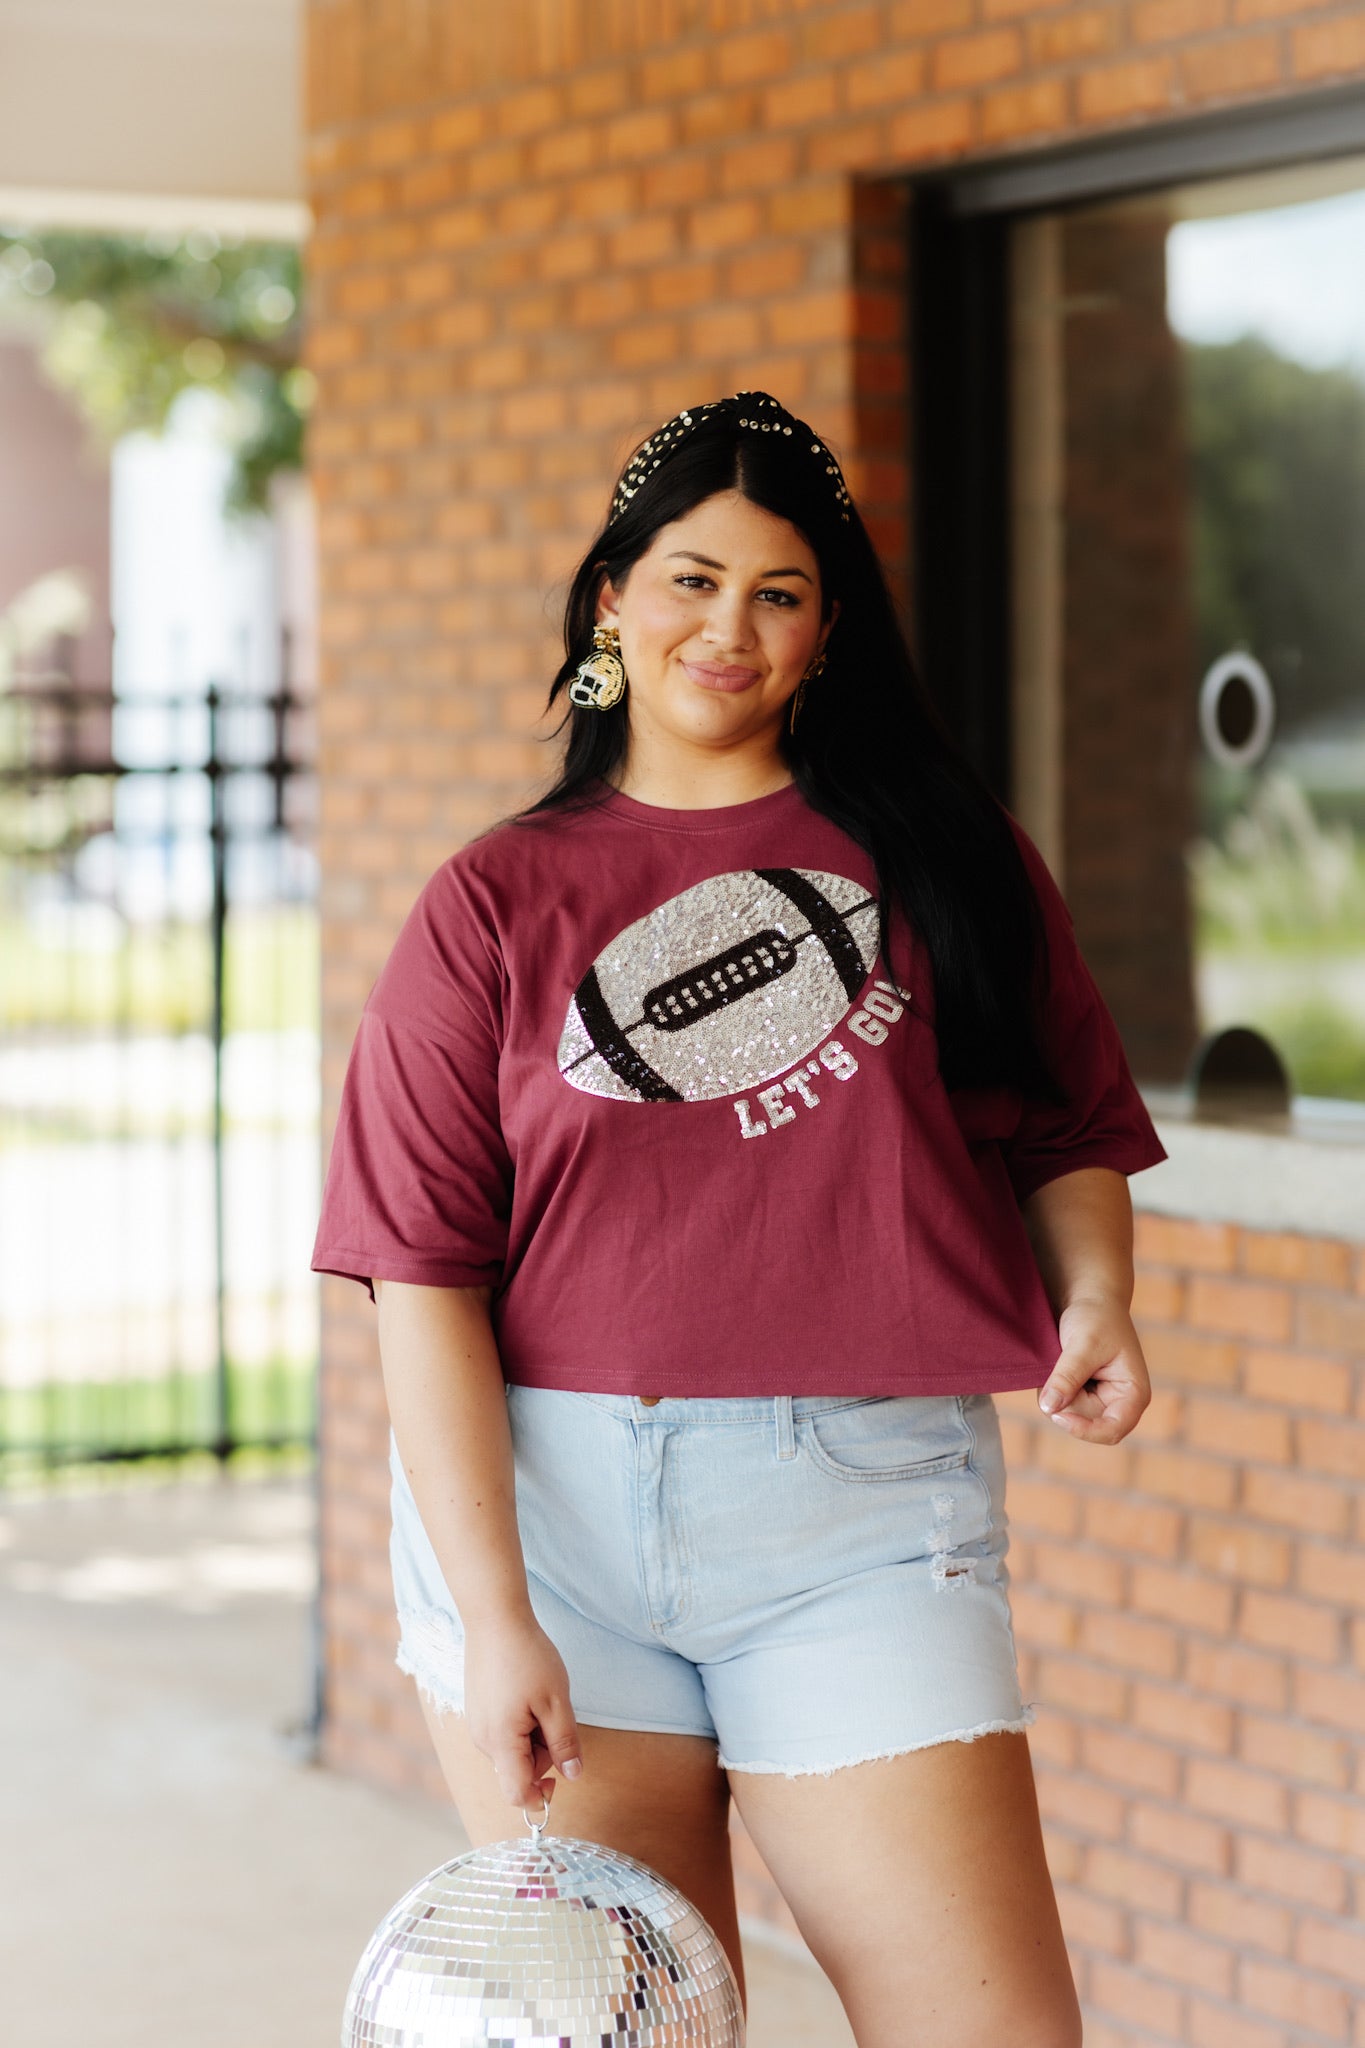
645 1073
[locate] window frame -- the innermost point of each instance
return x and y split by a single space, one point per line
960 219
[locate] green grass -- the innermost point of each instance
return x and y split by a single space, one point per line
1279 893
161 978
28 1476
1277 879
1323 1046
93 1417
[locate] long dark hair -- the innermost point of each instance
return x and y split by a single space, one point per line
870 752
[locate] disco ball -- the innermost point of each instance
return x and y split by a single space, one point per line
543 1944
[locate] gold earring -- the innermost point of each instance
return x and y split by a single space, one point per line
816 668
601 678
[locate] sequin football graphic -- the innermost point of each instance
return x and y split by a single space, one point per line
721 987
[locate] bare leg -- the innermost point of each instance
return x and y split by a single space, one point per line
662 1798
920 1885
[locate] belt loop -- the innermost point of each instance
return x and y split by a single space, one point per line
786 1434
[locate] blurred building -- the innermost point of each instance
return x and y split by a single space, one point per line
54 509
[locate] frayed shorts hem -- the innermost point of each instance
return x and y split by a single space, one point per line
436 1696
872 1756
431 1651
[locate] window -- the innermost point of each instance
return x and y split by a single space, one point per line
1141 594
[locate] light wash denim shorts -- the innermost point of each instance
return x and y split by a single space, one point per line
806 1580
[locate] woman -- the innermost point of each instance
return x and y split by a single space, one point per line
722 1132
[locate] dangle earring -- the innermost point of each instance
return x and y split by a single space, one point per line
601 678
816 668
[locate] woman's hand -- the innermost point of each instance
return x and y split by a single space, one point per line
1099 1387
517 1707
1081 1228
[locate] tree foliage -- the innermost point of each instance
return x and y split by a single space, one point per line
132 320
1277 453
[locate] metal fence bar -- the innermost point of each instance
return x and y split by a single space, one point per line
63 765
218 932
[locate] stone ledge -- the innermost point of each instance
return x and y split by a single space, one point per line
1308 1176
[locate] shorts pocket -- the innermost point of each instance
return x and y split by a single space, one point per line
893 1436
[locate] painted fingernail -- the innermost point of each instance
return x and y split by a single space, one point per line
1047 1401
572 1767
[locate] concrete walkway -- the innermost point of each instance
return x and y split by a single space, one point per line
172 1873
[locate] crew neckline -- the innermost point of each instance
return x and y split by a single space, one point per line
712 818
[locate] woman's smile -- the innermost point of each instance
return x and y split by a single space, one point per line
719 675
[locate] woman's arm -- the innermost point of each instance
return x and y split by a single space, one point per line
443 1379
1081 1228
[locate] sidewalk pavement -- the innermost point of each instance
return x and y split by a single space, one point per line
172 1872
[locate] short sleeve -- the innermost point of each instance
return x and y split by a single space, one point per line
419 1181
1104 1121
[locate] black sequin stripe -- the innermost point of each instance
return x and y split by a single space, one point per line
826 921
616 1049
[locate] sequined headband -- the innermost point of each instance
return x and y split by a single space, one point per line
755 410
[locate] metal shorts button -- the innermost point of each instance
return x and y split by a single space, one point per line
650 1400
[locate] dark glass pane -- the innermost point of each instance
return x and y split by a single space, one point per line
1207 351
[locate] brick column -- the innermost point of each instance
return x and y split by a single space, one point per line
1129 682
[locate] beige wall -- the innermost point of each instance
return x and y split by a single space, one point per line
167 100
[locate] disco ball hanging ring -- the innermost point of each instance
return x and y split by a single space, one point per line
536 1944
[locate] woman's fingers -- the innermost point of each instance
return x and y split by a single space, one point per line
1081 1365
1098 1406
522 1781
559 1733
525 1772
1065 1383
526 1764
517 1696
1104 1414
1098 1388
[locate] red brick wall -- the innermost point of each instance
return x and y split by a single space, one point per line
1191 1610
539 229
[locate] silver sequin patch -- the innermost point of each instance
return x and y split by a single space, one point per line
720 988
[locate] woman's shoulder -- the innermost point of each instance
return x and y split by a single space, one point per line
499 872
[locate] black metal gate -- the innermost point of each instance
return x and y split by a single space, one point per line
158 1073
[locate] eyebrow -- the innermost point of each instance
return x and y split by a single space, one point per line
685 555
